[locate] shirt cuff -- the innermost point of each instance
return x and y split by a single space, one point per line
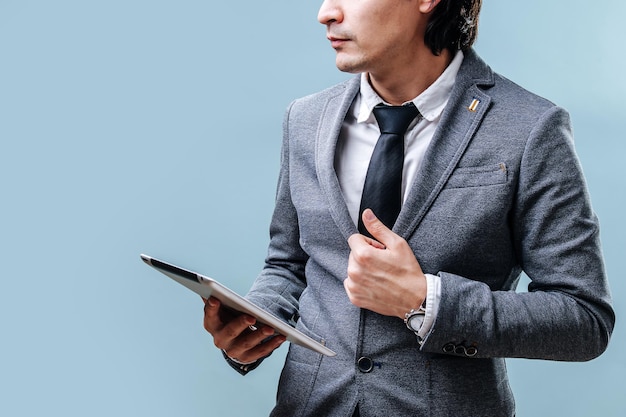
242 368
433 296
238 362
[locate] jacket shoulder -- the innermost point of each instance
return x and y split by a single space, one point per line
504 92
514 96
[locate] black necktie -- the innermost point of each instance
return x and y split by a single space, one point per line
382 191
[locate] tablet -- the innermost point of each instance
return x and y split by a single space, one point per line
208 287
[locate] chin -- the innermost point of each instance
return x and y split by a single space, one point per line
348 65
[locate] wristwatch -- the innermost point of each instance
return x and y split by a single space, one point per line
415 318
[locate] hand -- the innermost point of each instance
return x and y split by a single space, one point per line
234 335
383 274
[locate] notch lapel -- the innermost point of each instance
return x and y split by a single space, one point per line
463 114
331 120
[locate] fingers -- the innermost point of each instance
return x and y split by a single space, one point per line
254 345
383 275
235 335
377 229
358 294
212 319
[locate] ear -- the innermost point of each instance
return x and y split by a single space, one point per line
427 6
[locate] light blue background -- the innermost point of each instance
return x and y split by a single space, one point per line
114 141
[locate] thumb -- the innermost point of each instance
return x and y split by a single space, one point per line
377 229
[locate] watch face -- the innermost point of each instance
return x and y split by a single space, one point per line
415 322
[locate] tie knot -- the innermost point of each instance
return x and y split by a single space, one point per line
395 119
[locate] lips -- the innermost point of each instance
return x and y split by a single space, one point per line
336 41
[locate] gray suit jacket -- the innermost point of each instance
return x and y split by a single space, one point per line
502 192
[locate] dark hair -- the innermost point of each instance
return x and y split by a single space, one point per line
453 25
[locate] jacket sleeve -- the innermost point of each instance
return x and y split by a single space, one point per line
566 314
281 282
278 287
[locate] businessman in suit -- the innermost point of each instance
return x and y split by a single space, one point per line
421 309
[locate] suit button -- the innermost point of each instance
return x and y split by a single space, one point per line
365 365
460 350
448 347
471 351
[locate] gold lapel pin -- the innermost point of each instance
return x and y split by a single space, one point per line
472 107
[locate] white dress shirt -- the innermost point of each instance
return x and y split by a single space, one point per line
357 140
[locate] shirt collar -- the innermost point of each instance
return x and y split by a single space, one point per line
430 102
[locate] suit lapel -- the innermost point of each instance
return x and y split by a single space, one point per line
331 120
459 122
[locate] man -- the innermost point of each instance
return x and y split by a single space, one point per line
421 310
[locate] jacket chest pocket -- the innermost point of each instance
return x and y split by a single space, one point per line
479 176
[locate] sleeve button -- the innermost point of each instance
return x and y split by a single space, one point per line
471 351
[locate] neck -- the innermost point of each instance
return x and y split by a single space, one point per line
404 82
